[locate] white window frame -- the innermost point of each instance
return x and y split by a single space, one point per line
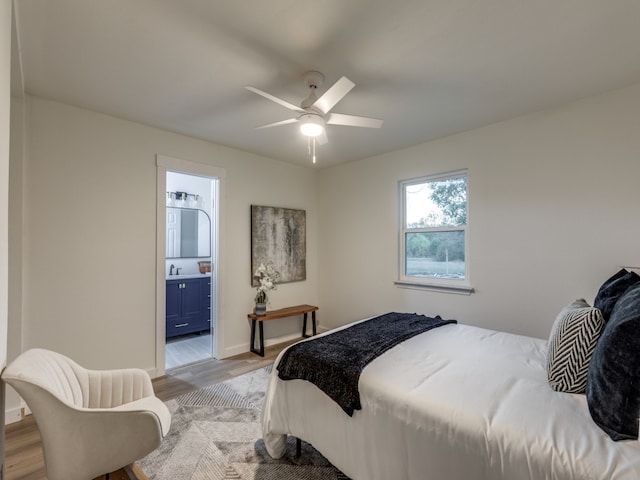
462 286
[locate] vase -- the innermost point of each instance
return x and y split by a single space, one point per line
260 308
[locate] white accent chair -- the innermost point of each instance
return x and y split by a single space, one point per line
91 421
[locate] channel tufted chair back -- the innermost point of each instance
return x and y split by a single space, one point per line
91 421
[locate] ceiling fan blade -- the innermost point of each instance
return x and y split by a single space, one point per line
336 92
279 101
277 124
322 138
352 121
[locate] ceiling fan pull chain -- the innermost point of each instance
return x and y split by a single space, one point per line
314 149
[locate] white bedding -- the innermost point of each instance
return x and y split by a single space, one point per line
455 403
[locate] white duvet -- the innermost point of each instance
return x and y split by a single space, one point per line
454 403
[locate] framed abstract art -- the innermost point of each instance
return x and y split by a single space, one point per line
279 238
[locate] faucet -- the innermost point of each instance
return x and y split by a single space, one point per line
171 269
178 270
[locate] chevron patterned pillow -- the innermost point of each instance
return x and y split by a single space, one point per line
573 338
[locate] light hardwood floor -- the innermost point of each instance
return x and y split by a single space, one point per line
23 455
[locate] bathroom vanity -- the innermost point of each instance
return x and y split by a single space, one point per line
188 307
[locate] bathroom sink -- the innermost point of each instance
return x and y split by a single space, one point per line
187 275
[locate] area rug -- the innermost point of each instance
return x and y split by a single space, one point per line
216 435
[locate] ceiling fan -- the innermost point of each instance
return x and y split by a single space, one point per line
315 113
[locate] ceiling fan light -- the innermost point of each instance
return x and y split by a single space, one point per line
311 125
311 129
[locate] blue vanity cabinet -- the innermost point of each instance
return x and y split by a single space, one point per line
206 305
187 305
174 295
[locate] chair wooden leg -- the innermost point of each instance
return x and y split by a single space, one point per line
134 472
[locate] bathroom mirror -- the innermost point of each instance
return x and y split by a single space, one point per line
188 233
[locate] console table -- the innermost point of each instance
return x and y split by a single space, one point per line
280 313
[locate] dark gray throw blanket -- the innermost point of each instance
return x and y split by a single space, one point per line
334 362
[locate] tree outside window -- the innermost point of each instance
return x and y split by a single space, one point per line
434 226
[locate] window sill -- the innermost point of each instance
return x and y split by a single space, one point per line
434 287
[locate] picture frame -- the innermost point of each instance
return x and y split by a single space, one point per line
279 237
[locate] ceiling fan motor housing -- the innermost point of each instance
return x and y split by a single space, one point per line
313 79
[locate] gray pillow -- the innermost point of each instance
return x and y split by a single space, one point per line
573 338
613 383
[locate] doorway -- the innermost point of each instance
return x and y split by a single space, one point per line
188 268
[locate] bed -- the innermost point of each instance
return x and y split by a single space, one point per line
456 402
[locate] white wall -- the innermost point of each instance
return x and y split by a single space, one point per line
5 121
90 227
14 333
551 215
5 115
553 211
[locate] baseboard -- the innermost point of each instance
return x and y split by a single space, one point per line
13 415
244 347
274 341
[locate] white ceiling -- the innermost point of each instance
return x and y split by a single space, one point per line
429 68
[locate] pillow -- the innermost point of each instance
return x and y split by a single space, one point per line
573 337
612 290
613 382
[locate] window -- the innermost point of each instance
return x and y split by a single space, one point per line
433 231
